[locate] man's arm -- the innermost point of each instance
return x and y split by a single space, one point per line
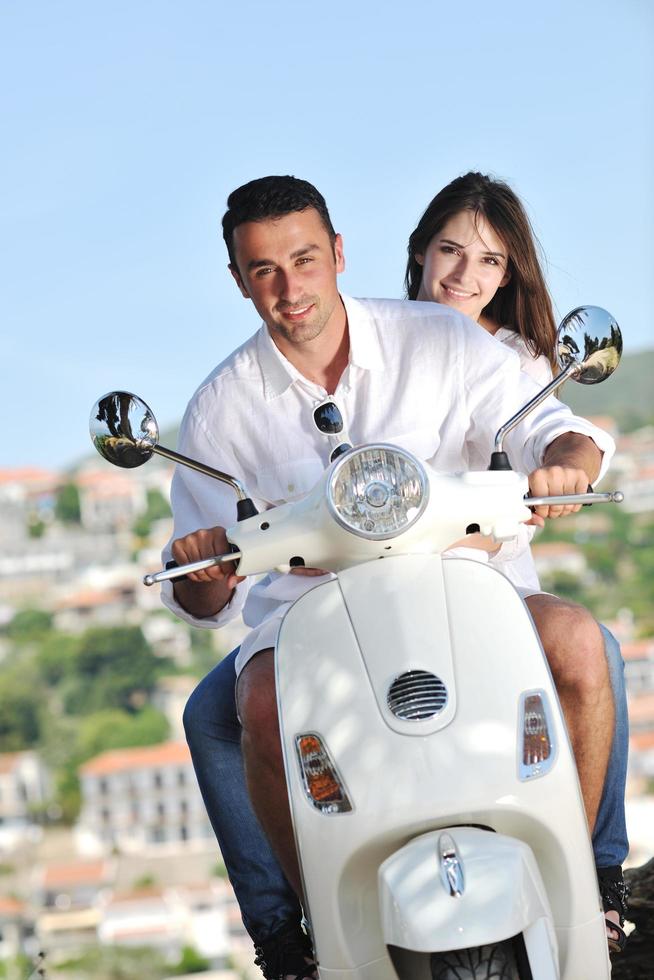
206 592
571 462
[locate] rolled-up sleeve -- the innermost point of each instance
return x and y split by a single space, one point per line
200 502
552 419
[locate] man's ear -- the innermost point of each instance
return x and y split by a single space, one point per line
339 255
237 279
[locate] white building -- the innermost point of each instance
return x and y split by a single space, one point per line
559 556
24 789
169 919
141 798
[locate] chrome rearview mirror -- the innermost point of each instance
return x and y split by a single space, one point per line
589 345
123 429
125 432
588 349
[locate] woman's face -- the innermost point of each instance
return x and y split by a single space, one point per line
464 265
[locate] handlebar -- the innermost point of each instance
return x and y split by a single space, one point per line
179 571
612 497
174 571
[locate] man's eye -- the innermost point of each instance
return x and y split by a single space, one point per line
260 273
304 260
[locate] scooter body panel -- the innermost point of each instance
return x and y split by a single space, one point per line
464 622
501 892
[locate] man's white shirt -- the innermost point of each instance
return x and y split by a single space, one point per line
420 375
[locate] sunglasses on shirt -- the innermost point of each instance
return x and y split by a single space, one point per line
328 419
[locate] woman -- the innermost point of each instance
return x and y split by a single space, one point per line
473 250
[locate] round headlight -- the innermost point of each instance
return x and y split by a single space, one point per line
377 491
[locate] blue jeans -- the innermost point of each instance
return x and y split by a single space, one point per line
610 841
264 895
213 733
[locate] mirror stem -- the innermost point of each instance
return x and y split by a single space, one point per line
571 369
236 485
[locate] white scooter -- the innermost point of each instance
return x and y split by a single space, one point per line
435 800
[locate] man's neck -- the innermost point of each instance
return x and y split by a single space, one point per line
324 359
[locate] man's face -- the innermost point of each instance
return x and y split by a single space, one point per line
287 266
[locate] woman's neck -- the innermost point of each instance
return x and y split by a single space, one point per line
489 325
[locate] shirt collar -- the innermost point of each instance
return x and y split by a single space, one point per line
365 352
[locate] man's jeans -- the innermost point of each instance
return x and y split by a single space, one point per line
265 897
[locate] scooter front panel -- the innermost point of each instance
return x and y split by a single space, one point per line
331 665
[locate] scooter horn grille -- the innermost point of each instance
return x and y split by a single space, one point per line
417 695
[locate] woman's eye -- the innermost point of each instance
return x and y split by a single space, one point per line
490 260
448 249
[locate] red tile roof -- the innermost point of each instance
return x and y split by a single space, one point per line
641 708
28 474
638 650
124 760
75 873
9 761
11 906
642 741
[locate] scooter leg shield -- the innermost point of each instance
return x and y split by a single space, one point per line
485 889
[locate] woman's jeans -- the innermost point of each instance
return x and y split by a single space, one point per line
265 897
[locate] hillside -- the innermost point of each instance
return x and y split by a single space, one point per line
627 396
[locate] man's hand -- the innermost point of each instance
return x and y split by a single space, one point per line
205 592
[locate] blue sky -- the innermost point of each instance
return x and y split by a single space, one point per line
126 124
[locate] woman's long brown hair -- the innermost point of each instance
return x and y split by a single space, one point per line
523 304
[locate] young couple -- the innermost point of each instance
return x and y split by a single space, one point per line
420 375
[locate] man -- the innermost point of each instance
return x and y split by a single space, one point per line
416 374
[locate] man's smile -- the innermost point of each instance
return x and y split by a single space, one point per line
296 313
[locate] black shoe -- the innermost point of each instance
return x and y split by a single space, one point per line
614 893
285 953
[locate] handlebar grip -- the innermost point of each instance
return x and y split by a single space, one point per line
173 564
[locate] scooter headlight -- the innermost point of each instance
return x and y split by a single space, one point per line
377 491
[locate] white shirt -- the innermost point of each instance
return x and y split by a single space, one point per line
515 559
420 375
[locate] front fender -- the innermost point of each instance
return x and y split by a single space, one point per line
502 894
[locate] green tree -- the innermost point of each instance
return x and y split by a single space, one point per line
115 668
21 704
68 793
190 961
157 507
116 729
56 657
115 963
35 527
67 506
29 625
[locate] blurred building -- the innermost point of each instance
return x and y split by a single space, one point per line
168 919
141 798
24 792
69 896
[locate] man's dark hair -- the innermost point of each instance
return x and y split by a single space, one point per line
271 197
